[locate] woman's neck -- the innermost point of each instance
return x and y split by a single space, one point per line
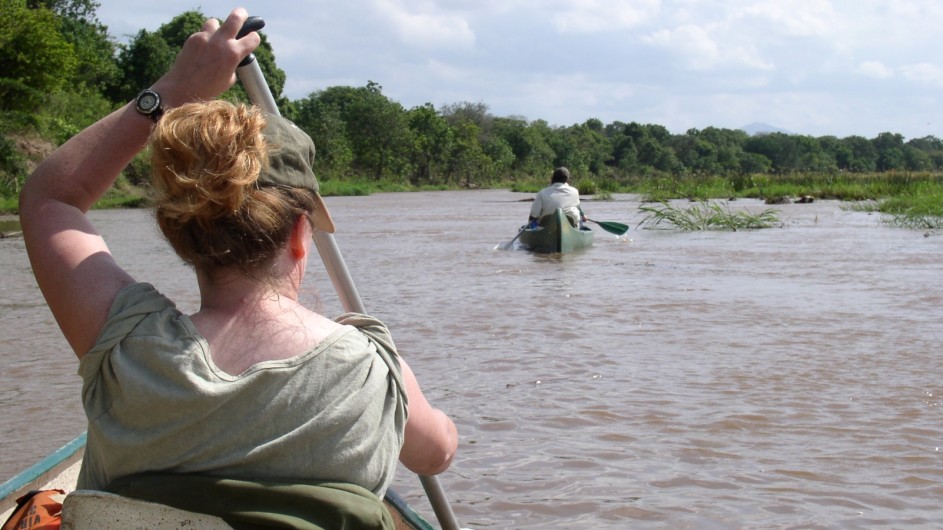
233 292
245 321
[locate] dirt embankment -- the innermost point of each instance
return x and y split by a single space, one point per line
33 148
30 149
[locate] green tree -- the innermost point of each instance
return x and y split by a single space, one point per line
432 141
323 121
378 132
582 148
932 146
140 63
72 9
890 151
502 157
928 144
12 168
836 151
753 164
862 155
490 143
150 54
728 148
625 148
695 155
916 159
541 158
94 48
779 148
35 58
656 155
458 113
644 148
810 156
532 152
468 162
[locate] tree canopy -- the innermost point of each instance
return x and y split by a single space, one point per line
60 70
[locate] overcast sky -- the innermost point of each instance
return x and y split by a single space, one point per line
816 67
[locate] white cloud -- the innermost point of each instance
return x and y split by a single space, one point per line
702 49
589 16
923 73
810 66
423 25
570 99
792 18
875 69
692 43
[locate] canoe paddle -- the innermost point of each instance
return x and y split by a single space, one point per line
261 95
611 227
507 245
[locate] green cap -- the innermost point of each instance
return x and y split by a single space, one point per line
291 155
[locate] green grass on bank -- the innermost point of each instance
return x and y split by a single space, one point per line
912 200
8 205
918 210
841 186
909 200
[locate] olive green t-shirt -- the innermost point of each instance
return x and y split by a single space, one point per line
155 401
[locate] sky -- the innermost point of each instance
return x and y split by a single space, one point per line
811 67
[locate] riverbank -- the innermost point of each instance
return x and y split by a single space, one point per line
908 199
9 226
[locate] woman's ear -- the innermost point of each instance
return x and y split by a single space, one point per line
300 235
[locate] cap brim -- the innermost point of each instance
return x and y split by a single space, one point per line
320 216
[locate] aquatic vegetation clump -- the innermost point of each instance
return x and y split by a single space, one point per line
921 210
705 215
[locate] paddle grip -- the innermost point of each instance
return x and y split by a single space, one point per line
251 24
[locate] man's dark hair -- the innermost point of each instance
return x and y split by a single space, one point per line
561 174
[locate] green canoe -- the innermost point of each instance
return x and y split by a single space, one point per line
556 234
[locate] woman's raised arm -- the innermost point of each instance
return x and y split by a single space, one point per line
72 264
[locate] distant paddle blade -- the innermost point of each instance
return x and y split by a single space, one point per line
612 227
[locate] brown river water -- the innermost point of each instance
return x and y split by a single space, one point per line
784 378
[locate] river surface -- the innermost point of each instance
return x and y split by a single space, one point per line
783 378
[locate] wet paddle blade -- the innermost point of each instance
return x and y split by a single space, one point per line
612 227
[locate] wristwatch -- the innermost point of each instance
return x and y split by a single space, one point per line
148 104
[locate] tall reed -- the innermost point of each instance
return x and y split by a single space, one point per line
705 215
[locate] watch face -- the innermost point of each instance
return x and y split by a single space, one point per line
147 101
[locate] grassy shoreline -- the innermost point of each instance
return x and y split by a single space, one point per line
909 199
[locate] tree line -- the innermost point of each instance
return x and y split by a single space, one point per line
60 70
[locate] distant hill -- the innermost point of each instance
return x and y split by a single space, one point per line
762 128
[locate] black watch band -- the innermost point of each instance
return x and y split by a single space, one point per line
149 104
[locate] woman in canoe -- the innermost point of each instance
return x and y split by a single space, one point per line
253 385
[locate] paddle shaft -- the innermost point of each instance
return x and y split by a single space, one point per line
250 74
511 242
253 81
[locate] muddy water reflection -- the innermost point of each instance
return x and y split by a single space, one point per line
780 378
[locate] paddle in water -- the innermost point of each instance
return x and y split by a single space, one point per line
611 226
507 246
